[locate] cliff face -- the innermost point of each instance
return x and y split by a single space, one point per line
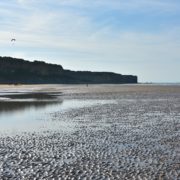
14 70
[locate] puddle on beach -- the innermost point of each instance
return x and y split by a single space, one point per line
32 112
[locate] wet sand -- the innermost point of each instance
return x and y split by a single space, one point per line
134 134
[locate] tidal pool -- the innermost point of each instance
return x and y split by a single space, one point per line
32 112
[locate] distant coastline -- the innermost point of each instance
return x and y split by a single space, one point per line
20 71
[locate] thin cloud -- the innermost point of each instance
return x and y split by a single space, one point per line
128 5
79 29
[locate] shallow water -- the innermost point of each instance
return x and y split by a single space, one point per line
22 113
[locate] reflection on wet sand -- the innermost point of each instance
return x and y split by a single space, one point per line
20 102
36 96
8 106
22 112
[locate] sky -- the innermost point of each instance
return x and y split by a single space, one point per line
138 37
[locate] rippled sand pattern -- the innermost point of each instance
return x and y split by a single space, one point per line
136 136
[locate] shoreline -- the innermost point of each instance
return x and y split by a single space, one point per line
136 136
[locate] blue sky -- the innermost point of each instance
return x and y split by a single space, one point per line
140 37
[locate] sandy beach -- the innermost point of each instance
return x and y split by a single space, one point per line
101 132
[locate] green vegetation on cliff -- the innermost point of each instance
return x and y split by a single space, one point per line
13 70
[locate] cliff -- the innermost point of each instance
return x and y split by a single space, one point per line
13 70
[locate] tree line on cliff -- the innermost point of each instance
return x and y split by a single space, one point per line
14 70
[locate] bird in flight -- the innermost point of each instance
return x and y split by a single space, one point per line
13 40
